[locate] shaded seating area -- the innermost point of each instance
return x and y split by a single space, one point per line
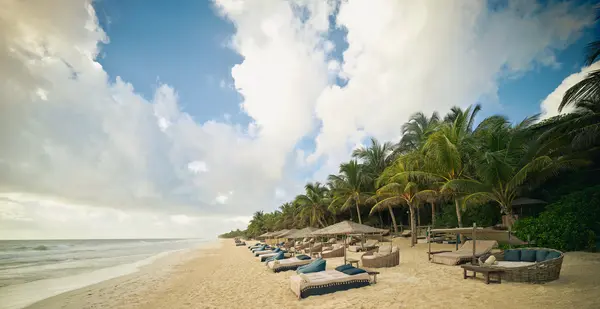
531 265
381 257
336 250
466 253
342 278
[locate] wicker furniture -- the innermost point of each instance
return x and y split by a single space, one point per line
383 258
538 272
336 251
316 248
486 271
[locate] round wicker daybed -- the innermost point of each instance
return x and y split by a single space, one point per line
377 259
533 272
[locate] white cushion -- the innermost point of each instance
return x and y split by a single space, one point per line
490 260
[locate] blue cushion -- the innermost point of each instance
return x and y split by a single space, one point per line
343 267
303 257
277 250
528 255
552 255
354 271
315 266
540 255
279 256
512 255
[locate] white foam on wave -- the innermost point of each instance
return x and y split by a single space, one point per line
22 295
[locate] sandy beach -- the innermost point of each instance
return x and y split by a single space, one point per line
226 276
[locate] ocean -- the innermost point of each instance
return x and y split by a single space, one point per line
31 270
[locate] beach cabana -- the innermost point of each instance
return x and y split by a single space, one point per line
483 240
346 228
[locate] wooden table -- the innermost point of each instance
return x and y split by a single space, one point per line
374 274
486 271
352 261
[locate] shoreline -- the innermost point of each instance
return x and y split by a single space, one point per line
114 274
231 277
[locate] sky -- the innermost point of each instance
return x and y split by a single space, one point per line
143 119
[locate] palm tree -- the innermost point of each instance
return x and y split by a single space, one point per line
416 131
348 187
589 88
397 190
505 167
447 152
374 158
313 203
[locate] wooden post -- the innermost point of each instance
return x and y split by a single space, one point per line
429 242
345 237
473 261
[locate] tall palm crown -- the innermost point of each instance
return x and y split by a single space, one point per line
349 187
375 158
313 203
589 88
416 131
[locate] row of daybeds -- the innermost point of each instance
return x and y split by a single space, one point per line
312 278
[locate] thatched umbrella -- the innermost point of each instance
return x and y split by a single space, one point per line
345 228
303 233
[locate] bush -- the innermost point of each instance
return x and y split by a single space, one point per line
570 224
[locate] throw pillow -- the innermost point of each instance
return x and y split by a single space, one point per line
528 255
552 255
343 267
490 260
512 255
540 255
354 271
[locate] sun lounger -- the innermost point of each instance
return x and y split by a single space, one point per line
464 253
370 244
325 282
264 257
288 264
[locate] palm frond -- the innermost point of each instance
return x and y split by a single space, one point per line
388 202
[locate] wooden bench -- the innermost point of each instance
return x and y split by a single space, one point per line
352 261
374 275
486 271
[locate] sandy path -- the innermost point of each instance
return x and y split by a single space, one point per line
231 277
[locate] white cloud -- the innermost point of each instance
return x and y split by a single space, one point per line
221 199
549 105
198 167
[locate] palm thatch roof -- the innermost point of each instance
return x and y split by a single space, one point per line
502 237
305 232
287 233
347 227
279 233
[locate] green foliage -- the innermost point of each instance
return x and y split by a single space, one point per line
233 234
484 215
570 224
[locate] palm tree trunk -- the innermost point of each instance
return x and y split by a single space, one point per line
393 219
458 213
433 214
413 226
358 212
321 222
